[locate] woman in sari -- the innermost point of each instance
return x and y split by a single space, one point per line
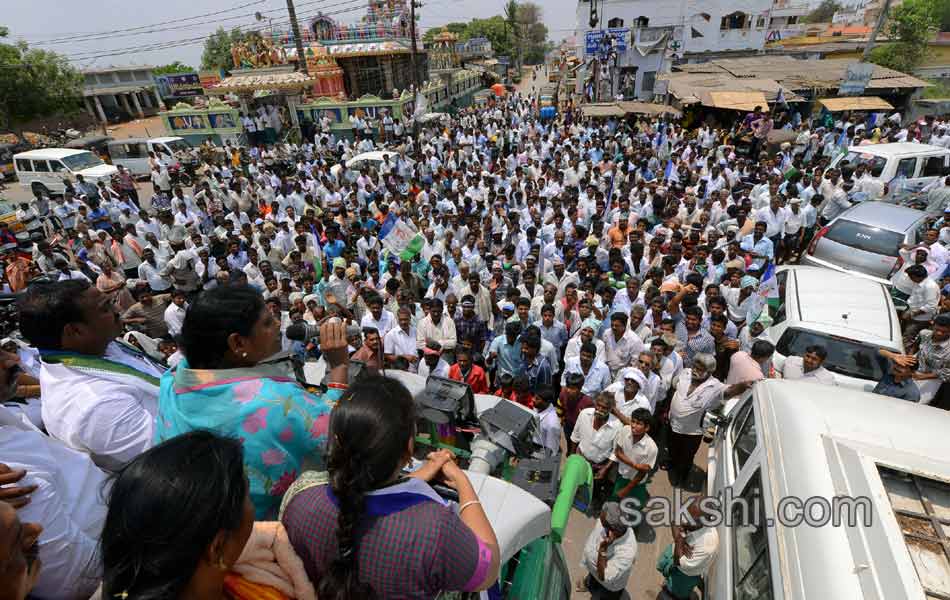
220 386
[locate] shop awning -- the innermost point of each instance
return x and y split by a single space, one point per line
609 109
745 101
648 108
855 103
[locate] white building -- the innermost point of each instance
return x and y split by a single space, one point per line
658 33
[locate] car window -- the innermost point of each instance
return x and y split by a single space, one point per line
905 168
57 166
860 158
864 237
118 151
23 165
41 166
83 160
845 356
744 443
751 571
934 166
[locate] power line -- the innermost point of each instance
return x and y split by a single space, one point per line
91 36
96 54
157 27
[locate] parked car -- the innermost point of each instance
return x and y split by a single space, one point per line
865 240
44 170
918 164
789 444
132 153
852 317
94 143
370 160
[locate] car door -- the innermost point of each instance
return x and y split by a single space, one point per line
45 175
932 167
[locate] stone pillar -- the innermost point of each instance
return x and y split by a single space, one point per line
102 113
158 99
138 106
89 108
125 103
388 73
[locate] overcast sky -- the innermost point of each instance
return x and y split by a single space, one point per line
106 23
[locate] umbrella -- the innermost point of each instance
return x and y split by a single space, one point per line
499 89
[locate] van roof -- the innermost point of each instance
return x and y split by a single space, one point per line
898 149
823 441
48 153
844 305
138 140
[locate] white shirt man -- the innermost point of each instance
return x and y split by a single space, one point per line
550 426
642 452
383 325
924 300
596 445
68 502
106 413
175 318
794 368
619 353
596 379
688 407
620 556
401 343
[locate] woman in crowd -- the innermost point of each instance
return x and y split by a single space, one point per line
220 386
373 532
179 516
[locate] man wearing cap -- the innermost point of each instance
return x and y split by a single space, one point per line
609 554
432 362
629 392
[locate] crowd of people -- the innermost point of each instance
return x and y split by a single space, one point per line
603 274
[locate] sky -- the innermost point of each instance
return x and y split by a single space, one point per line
145 32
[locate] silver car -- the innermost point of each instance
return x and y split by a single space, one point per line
865 240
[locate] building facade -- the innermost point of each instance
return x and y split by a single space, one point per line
651 35
120 93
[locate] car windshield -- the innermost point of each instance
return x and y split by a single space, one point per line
83 160
862 158
178 145
845 356
865 237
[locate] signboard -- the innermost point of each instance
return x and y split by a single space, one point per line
182 85
209 78
593 41
856 78
503 60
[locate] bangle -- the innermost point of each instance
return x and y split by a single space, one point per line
337 386
466 505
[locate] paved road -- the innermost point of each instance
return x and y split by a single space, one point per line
150 127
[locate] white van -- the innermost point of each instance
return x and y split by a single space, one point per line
45 169
132 153
919 164
798 440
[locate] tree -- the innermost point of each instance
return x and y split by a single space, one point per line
910 28
35 83
823 14
171 68
493 28
217 51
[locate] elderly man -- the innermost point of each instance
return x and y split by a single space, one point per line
609 554
697 392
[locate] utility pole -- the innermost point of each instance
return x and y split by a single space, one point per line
881 18
415 70
295 28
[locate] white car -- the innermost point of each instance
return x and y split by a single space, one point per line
44 170
852 317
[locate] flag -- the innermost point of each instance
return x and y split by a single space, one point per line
388 223
413 248
669 169
768 287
